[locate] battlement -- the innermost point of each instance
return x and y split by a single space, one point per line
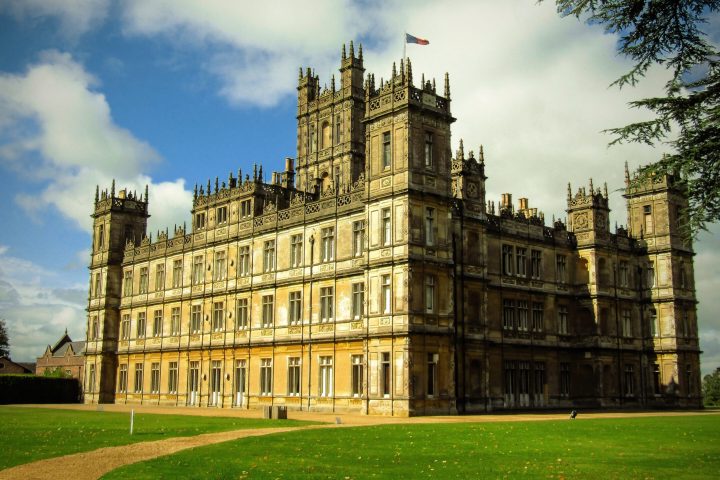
125 201
588 198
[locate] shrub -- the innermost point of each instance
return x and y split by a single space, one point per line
34 389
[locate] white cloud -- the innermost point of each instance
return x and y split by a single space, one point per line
76 16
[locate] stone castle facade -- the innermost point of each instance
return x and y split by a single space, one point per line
372 276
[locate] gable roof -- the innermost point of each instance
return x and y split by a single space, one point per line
6 361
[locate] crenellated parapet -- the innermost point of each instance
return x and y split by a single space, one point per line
125 201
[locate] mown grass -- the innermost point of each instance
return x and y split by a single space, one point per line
29 434
649 447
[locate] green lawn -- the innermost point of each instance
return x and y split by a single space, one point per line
29 434
650 447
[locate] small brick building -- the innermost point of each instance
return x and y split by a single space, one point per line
65 354
8 366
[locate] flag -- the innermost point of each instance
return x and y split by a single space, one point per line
411 39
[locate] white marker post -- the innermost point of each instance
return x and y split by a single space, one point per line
132 420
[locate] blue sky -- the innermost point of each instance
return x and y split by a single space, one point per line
173 92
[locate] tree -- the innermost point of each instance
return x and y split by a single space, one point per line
668 33
4 339
711 389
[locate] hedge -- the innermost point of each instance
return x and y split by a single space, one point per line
34 389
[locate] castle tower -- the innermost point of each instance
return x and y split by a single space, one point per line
118 220
468 181
330 133
655 217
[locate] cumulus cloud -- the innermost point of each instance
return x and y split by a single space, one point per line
75 16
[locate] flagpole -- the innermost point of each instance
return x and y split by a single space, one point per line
404 46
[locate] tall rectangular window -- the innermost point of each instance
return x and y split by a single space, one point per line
157 323
358 238
127 283
356 376
100 237
91 377
177 273
626 323
195 319
650 275
562 320
521 261
337 130
173 378
629 380
155 377
386 153
295 307
522 315
125 327
327 303
647 219
296 250
141 326
507 259
430 293
538 317
653 323
266 376
535 264
94 327
220 271
429 226
138 378
269 256
428 150
240 381
294 376
624 274
565 380
143 280
175 321
385 294
245 208
221 215
268 311
218 316
159 277
325 388
327 247
385 374
432 368
97 285
386 227
358 300
241 318
244 261
123 379
561 268
508 314
197 270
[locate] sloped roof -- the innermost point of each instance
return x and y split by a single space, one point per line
76 348
21 365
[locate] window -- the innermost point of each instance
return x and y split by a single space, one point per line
623 274
538 317
138 377
100 237
683 276
296 250
221 215
327 301
154 377
245 208
432 362
177 273
143 280
429 293
125 327
538 382
429 226
337 129
522 315
195 318
561 268
157 323
386 154
123 379
241 318
220 271
510 381
656 379
141 327
626 323
337 177
653 324
562 320
159 277
521 261
507 259
385 292
218 318
325 387
535 264
327 246
688 379
199 220
175 321
268 311
313 139
244 261
269 256
508 314
647 219
294 376
386 230
428 150
325 135
358 238
97 286
127 283
358 300
650 275
91 377
173 378
94 327
356 375
215 382
295 308
193 382
265 376
629 380
385 378
240 381
565 380
197 270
